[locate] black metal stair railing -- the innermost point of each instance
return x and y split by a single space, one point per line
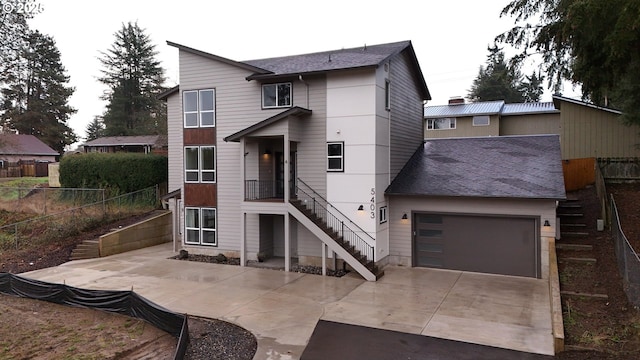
337 225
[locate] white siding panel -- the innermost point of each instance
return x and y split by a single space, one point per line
174 142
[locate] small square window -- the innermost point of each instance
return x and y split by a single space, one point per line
335 156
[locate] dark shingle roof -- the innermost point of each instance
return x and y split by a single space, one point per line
494 167
319 62
24 145
331 60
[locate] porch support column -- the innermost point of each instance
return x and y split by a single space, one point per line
287 241
324 258
287 167
243 215
243 239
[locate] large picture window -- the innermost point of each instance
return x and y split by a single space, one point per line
276 95
199 108
441 124
200 164
200 226
335 156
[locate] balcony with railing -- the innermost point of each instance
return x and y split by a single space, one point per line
265 190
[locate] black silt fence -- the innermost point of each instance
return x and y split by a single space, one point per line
122 302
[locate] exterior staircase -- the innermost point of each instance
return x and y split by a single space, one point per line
88 249
572 222
339 233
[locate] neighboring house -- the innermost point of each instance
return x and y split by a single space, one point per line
490 118
586 130
290 157
156 144
15 148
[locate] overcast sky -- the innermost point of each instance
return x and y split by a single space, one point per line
450 37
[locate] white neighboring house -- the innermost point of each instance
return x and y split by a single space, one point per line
290 157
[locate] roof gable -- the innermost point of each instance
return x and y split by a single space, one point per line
493 167
558 100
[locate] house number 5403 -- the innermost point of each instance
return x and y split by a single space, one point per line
372 205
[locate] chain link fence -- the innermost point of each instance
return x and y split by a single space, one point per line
79 210
628 261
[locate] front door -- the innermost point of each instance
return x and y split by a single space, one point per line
280 173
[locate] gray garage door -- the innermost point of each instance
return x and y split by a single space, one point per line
497 245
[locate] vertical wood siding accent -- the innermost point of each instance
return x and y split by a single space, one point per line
174 141
203 195
406 129
588 132
201 136
530 124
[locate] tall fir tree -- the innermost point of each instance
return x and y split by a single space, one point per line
134 77
501 80
592 43
35 100
95 129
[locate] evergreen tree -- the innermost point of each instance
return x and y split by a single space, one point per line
35 100
500 80
95 129
134 77
592 43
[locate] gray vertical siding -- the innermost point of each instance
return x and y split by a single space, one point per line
406 129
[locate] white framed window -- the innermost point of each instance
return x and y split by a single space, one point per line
200 226
481 120
199 108
200 164
441 124
276 95
335 156
387 95
383 214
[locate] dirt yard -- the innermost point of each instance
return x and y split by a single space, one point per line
599 328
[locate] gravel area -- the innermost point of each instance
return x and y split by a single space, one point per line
216 339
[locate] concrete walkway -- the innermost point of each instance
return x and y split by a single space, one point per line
281 309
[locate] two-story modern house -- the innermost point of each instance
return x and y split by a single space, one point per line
329 130
302 157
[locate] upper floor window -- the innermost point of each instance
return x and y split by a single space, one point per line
481 120
199 108
441 124
276 95
335 156
200 164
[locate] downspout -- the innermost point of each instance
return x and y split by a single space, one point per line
307 85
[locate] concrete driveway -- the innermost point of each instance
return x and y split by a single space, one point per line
281 309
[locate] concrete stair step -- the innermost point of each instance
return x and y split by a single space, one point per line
573 225
583 260
578 247
573 233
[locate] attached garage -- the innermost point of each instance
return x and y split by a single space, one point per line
488 244
484 204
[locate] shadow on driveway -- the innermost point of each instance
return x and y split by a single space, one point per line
332 340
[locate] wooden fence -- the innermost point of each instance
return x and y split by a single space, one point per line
578 173
24 168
